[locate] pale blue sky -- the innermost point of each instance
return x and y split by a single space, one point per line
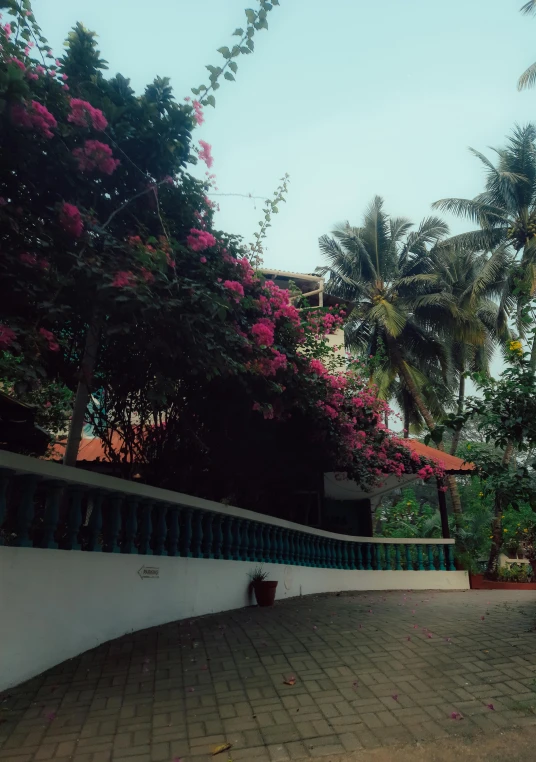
352 98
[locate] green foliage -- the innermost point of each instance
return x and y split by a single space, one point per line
408 517
270 207
255 21
515 573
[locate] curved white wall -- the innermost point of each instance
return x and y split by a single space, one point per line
55 604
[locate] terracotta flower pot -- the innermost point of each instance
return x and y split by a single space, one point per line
265 593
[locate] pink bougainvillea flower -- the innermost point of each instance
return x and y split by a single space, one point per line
490 706
71 220
35 116
448 640
96 155
124 278
429 634
408 638
7 336
263 332
203 260
395 696
205 153
27 258
199 240
83 114
235 286
198 113
355 685
456 716
482 618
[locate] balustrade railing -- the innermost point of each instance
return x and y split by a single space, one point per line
45 505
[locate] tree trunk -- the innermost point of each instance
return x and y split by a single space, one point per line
87 369
461 400
406 421
418 398
496 524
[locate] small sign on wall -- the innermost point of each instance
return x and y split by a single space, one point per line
149 572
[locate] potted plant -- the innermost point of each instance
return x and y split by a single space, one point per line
264 589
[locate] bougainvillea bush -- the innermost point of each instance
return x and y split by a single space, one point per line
114 282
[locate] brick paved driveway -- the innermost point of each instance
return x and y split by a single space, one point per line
372 670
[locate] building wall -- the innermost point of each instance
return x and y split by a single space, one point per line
57 604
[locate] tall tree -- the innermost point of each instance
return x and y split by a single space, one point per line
528 78
506 214
383 268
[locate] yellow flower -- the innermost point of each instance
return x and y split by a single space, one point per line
519 525
480 494
409 502
525 530
468 447
491 537
516 346
505 530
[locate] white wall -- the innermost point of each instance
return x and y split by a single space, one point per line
55 604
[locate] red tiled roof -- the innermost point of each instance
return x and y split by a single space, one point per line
451 463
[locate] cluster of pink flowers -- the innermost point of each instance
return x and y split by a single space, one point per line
33 260
35 116
124 278
6 30
50 338
199 240
96 155
83 114
236 287
71 220
425 472
7 336
263 332
323 323
205 153
198 112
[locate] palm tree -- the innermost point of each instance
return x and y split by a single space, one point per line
506 214
528 78
473 280
384 270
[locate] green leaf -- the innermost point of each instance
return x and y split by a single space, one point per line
245 51
196 90
233 66
238 32
251 16
211 100
251 31
229 76
235 51
250 44
226 53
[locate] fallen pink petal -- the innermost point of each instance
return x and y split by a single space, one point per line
456 716
395 696
490 706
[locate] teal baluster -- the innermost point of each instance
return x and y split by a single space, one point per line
160 530
279 545
368 565
95 523
218 535
430 554
74 519
228 538
398 565
4 481
258 542
449 550
345 555
308 549
359 547
237 540
208 535
113 522
245 540
440 556
387 548
409 564
294 547
322 551
373 555
332 562
291 547
267 543
286 550
420 565
297 548
131 526
197 534
378 555
186 533
26 512
242 535
248 536
303 550
52 513
173 530
316 551
145 528
351 556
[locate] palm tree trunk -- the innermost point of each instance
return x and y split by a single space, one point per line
496 524
87 369
461 400
418 398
